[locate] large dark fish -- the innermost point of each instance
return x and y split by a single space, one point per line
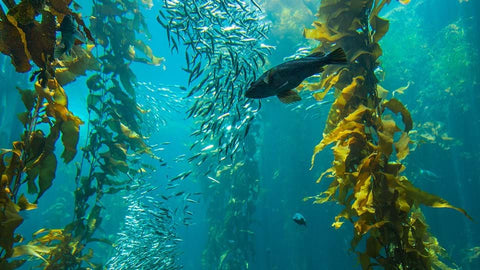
280 80
68 28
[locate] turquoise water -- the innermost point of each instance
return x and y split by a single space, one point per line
243 166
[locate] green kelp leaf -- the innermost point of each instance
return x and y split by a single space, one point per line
94 218
28 98
70 135
12 265
222 258
48 166
32 174
9 221
94 83
380 26
111 165
24 118
127 78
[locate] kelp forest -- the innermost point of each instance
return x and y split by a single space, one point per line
128 140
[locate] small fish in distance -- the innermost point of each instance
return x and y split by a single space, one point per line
299 219
282 79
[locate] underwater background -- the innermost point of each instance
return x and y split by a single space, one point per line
171 167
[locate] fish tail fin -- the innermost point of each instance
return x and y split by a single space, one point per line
337 57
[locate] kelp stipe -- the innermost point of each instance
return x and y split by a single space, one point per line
380 202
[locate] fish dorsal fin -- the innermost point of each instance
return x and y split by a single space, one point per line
268 78
316 54
289 96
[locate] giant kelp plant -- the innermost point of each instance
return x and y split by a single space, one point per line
26 36
113 121
369 145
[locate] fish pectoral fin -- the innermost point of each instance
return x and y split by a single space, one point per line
268 78
289 96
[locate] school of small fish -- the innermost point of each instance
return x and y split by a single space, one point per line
224 49
148 239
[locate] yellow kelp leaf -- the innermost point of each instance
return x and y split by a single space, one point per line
337 224
52 235
24 204
362 192
385 136
362 227
402 89
385 143
14 44
70 131
135 139
346 213
59 95
327 82
348 92
422 197
32 250
327 194
48 166
347 126
322 33
128 132
340 153
403 202
397 107
9 221
380 26
330 171
401 146
381 92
